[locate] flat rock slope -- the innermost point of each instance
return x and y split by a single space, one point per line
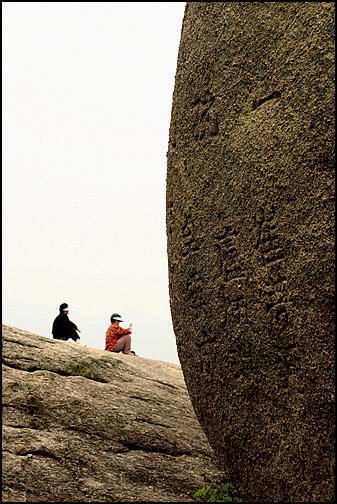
124 432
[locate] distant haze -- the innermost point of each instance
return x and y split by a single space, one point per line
87 96
152 337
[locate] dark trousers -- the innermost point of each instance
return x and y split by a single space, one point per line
68 333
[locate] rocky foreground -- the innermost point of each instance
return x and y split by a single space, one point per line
125 432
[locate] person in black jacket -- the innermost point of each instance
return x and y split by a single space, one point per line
63 328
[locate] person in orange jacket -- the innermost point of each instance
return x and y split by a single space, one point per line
118 339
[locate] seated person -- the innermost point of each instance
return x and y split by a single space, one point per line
63 328
118 339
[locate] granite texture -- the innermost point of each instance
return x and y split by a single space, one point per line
250 229
124 433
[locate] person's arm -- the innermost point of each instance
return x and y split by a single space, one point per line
71 324
122 332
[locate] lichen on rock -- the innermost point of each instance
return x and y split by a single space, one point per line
250 232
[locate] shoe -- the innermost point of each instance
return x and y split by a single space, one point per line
134 353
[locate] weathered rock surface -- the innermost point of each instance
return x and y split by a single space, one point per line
127 432
250 226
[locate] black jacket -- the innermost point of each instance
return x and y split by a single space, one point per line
61 323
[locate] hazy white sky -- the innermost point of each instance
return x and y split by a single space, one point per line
87 94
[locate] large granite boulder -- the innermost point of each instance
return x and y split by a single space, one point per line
125 432
250 184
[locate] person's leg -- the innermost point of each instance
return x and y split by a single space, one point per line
79 342
59 337
124 345
72 333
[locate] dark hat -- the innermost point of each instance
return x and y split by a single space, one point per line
116 316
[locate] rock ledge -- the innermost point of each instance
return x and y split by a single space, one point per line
125 433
